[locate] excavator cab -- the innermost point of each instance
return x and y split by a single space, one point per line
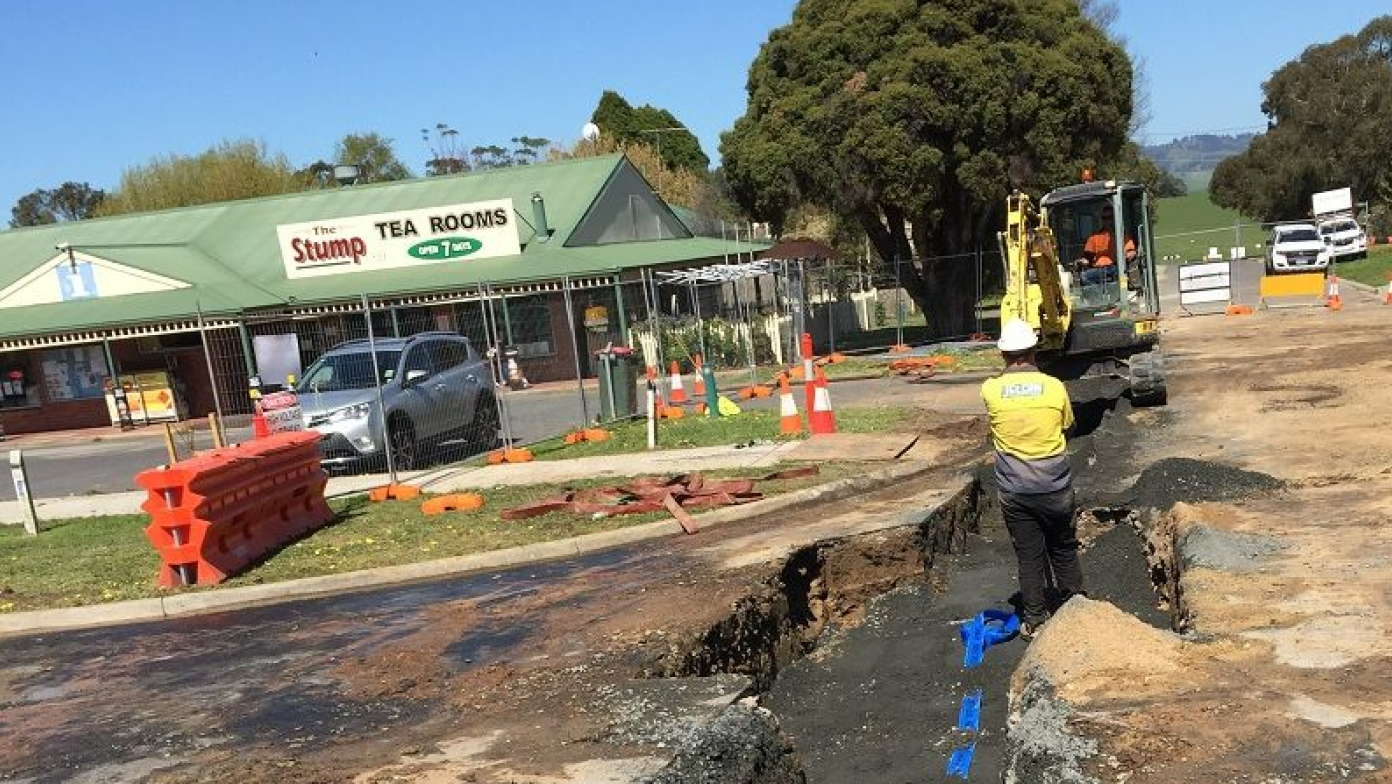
1081 270
1105 247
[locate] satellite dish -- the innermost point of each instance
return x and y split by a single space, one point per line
589 132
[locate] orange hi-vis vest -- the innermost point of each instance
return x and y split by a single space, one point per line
1102 246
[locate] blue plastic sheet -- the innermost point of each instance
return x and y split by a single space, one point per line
989 627
959 764
969 717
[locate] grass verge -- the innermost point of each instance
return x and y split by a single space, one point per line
106 559
696 430
1372 270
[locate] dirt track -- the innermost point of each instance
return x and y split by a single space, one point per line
1285 597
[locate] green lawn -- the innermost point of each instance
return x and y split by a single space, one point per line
1372 270
695 430
1189 225
106 559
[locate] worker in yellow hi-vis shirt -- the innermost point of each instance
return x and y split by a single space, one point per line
1029 413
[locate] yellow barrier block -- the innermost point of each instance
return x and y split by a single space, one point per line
1304 284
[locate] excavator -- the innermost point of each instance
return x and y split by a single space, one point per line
1092 320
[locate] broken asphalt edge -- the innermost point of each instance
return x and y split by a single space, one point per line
242 597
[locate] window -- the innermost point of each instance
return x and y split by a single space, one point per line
74 372
529 323
450 354
418 357
347 370
17 387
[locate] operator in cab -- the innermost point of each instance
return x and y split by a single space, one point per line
1029 412
1100 251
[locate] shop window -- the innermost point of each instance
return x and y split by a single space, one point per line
17 385
73 372
529 320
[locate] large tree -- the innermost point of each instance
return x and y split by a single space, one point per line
69 201
230 170
648 125
916 119
374 155
1329 126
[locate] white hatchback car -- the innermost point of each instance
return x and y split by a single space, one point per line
1345 238
1296 247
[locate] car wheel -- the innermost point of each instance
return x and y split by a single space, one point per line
483 431
401 439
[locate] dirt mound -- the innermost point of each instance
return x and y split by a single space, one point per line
1166 482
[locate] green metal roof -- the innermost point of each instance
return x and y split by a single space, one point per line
230 255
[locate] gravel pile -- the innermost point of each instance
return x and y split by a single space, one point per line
1174 479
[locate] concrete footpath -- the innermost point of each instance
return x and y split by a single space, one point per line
458 478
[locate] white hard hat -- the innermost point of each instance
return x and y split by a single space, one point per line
1016 336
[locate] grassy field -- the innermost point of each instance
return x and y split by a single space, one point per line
1372 270
107 559
1187 226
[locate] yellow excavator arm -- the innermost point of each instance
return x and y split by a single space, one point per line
1034 290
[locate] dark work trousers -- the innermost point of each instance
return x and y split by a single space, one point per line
1046 544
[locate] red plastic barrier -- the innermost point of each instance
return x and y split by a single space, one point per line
214 514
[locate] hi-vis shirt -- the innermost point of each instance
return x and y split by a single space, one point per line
1029 411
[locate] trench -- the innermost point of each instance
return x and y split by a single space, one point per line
818 587
893 597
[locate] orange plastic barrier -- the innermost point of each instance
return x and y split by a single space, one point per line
212 515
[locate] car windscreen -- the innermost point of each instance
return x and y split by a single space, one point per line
1330 228
1298 235
347 370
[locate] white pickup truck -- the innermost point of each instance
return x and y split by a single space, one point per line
1344 237
1296 247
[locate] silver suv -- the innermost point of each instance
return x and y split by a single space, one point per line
435 390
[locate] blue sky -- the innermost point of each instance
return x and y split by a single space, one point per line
93 86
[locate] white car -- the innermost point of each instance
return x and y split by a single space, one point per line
1296 247
1345 238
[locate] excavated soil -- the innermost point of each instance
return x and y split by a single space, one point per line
1263 507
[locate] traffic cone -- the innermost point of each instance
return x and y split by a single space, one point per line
698 390
790 423
1387 298
259 427
678 395
821 419
1331 299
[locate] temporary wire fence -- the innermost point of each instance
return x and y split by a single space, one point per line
458 376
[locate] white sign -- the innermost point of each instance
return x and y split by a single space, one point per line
1202 283
391 240
284 420
1333 201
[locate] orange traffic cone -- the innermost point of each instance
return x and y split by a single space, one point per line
678 390
790 423
259 427
1331 298
821 419
698 390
